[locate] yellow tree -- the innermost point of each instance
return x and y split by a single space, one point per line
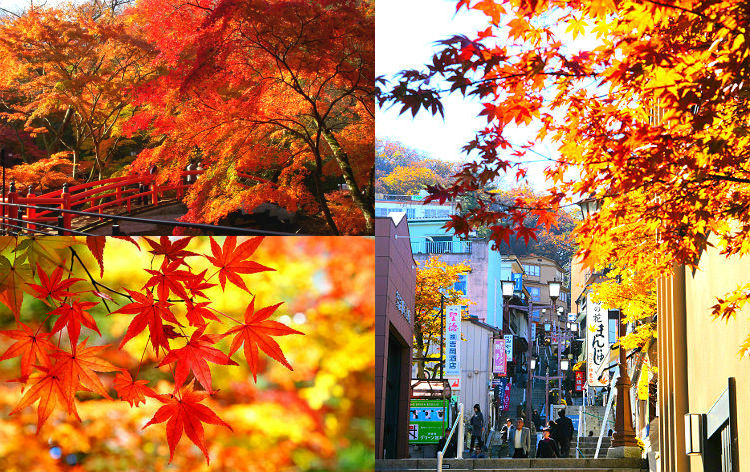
435 279
410 180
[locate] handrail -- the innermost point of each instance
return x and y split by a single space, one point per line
612 392
459 446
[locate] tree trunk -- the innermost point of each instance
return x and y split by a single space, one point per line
323 203
366 204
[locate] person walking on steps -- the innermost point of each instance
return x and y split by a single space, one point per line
519 441
547 448
477 423
565 432
452 448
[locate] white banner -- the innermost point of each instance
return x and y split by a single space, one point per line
453 341
509 347
597 343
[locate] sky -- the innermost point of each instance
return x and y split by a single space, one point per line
404 39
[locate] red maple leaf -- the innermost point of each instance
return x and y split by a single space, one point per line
257 332
171 249
96 246
193 357
148 313
78 369
73 315
185 413
526 233
132 391
167 279
30 346
198 284
48 390
197 313
53 286
233 261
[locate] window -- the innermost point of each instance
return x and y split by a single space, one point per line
411 213
461 284
531 270
535 294
381 211
563 297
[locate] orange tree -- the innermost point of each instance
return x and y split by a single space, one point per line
66 78
435 281
163 371
274 98
650 115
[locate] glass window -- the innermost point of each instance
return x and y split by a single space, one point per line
461 284
531 270
535 294
411 213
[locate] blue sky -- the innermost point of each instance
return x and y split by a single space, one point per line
405 35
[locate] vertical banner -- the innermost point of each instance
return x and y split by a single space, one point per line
597 343
533 332
506 396
452 341
499 364
580 380
509 347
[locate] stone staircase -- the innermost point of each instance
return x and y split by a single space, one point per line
515 465
587 446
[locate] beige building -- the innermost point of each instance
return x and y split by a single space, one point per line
538 272
698 360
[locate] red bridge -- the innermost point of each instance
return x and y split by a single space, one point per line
85 205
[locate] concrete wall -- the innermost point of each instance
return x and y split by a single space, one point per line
697 355
712 345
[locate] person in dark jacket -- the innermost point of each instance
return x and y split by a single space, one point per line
547 448
505 430
477 424
536 419
452 449
565 432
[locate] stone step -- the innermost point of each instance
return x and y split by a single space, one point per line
516 465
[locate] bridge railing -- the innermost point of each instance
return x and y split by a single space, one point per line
91 197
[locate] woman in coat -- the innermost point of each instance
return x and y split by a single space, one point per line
477 423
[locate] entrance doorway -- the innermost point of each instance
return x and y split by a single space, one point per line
391 429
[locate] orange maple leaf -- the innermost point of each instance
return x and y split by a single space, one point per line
233 261
257 332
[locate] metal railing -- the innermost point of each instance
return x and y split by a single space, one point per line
441 247
30 226
459 440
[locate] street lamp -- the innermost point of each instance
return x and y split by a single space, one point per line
554 291
564 364
532 363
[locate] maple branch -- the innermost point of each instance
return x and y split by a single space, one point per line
728 178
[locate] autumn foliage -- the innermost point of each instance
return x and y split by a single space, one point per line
56 363
646 103
272 99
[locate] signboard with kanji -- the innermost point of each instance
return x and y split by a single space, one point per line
506 396
453 341
499 364
533 331
509 347
597 343
580 380
427 420
518 282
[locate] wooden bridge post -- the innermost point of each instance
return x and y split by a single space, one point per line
12 209
154 191
67 217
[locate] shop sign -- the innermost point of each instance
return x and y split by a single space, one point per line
499 364
453 341
509 347
597 343
427 420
